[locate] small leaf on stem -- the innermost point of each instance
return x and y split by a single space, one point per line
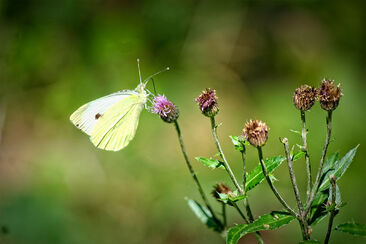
211 163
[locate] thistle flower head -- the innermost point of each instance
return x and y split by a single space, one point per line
329 95
256 132
207 102
221 189
304 97
165 108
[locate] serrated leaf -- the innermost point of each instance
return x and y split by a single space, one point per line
318 207
329 164
256 176
204 215
310 242
211 163
298 155
352 228
271 221
339 168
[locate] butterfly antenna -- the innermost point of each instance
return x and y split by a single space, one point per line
138 67
161 71
152 80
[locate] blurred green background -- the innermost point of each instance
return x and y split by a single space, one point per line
55 187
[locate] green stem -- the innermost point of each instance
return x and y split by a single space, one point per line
241 213
226 164
243 157
246 200
302 221
307 157
232 176
321 164
265 172
333 212
224 214
193 174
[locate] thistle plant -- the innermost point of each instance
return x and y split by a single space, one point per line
322 197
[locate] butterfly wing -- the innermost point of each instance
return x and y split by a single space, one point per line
117 127
87 116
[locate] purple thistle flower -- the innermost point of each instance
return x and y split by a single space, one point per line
165 108
207 102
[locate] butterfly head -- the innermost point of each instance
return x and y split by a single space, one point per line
141 87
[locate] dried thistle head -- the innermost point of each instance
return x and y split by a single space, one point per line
221 188
165 108
256 132
329 95
305 97
207 102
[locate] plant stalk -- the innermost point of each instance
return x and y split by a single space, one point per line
226 164
232 176
333 212
224 214
265 172
193 174
302 221
307 157
246 201
321 164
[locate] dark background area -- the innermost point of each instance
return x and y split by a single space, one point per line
55 187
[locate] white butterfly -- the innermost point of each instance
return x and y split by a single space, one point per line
111 121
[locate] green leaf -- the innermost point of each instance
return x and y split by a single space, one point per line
211 163
239 143
204 215
318 208
338 169
296 132
256 176
329 164
271 221
352 228
230 199
298 155
310 242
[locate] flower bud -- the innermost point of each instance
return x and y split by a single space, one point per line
304 97
221 189
207 102
165 108
256 132
329 95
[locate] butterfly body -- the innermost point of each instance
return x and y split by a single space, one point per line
111 121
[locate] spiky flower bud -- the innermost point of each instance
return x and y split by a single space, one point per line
165 108
207 102
329 95
304 97
256 132
221 189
